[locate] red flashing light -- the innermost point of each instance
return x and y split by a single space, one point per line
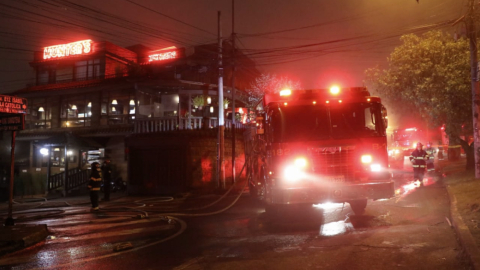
285 92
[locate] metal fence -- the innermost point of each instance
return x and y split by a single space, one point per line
76 178
162 124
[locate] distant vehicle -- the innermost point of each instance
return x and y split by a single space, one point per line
405 140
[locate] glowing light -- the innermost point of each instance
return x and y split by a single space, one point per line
411 129
44 151
301 162
240 110
69 152
368 99
211 109
89 104
41 109
327 101
285 103
340 101
293 173
376 167
314 102
334 90
162 55
285 92
64 50
366 159
74 107
114 102
68 123
132 102
226 106
113 109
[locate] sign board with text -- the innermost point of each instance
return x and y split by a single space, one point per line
12 122
9 104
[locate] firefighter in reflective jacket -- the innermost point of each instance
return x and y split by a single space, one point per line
419 161
431 157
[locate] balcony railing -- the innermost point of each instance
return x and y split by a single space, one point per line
162 124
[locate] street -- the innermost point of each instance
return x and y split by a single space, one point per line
410 231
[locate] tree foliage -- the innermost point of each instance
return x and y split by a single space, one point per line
269 84
429 75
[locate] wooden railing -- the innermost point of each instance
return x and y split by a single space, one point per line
76 178
162 124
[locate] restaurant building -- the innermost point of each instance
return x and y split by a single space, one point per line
139 106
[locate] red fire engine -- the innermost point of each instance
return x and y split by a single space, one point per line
319 146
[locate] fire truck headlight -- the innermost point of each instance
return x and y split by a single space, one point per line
297 170
390 152
397 151
376 167
366 159
293 173
300 163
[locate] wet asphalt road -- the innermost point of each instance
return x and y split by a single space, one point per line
411 231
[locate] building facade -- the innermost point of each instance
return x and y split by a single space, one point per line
93 100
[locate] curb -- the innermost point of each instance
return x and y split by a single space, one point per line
466 239
17 237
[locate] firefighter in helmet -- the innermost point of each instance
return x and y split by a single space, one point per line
431 157
418 159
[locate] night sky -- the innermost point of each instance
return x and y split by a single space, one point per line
318 42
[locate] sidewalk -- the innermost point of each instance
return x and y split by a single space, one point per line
464 193
20 236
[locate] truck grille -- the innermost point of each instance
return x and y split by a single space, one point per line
334 162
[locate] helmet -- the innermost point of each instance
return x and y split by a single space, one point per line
419 144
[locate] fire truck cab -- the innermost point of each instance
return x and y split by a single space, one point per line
320 146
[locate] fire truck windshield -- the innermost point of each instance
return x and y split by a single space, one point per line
316 122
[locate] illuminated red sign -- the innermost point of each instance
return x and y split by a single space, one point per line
64 50
163 54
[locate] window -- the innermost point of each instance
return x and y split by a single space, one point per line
87 70
39 114
118 107
76 111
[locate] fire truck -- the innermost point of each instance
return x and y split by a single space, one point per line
321 146
406 139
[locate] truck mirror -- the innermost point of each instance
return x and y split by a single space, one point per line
384 116
260 129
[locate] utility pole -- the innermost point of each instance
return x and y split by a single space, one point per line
472 35
233 91
221 120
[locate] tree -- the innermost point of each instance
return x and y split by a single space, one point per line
269 84
429 75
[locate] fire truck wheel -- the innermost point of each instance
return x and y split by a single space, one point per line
358 206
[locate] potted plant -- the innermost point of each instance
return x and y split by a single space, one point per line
225 103
198 102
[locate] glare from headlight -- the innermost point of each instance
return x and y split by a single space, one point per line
292 173
366 159
376 167
300 162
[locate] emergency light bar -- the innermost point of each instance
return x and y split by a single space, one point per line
316 95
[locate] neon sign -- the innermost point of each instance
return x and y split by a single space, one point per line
64 50
161 55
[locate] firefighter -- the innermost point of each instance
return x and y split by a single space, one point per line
418 159
94 185
431 157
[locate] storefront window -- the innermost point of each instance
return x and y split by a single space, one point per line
39 114
76 111
118 107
